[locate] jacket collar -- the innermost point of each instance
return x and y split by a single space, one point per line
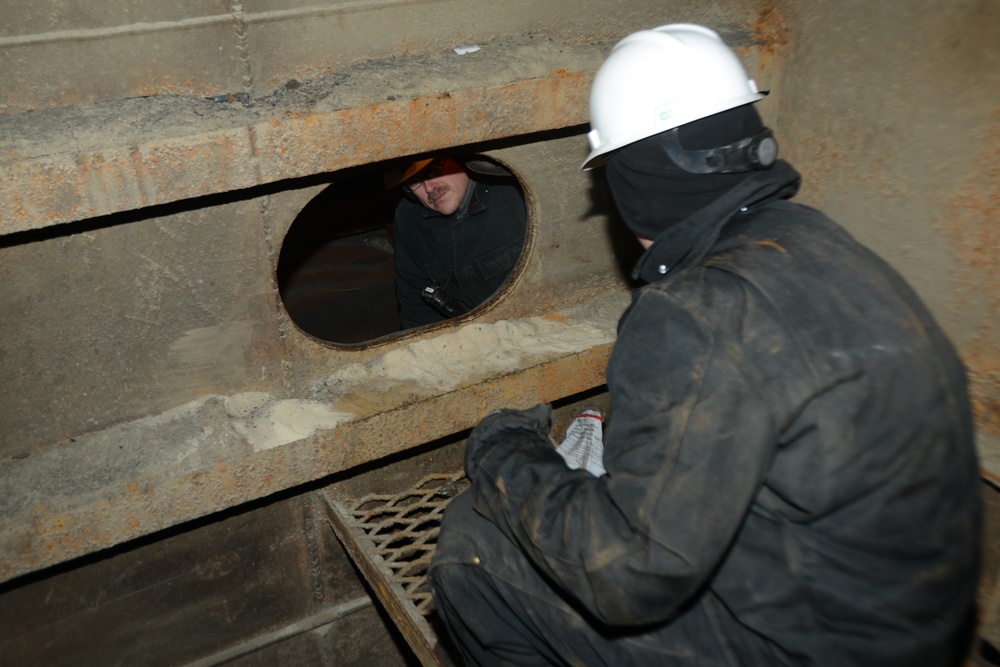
666 254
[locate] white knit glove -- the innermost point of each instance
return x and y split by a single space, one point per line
584 443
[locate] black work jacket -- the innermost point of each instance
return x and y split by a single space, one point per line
468 254
790 433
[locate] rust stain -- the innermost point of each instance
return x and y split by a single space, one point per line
771 33
970 222
168 86
824 157
771 36
975 230
984 387
61 188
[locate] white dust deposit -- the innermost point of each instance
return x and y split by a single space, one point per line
266 422
477 351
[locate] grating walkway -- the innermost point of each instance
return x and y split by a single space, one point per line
392 540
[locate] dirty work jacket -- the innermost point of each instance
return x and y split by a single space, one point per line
468 255
790 434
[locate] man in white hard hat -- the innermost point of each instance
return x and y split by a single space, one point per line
459 232
790 472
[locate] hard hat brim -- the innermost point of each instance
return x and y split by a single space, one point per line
395 177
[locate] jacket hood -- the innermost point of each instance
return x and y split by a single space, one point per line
654 192
687 242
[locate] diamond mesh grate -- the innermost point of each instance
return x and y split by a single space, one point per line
392 539
402 531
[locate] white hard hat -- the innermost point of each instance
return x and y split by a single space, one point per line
659 79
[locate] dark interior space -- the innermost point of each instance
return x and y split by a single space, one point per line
335 271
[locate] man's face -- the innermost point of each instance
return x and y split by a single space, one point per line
440 186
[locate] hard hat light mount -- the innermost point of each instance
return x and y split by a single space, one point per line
752 153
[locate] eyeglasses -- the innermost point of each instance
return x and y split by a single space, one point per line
430 172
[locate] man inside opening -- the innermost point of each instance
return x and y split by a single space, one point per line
459 232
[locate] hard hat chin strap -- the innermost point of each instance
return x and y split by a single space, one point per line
752 153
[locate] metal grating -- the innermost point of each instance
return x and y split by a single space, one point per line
392 538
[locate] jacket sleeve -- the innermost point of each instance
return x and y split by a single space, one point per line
690 438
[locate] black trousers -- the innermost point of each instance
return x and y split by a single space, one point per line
499 610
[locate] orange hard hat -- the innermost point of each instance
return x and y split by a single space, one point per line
397 176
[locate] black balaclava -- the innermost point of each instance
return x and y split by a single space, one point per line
653 194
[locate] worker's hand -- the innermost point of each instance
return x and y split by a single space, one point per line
536 423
